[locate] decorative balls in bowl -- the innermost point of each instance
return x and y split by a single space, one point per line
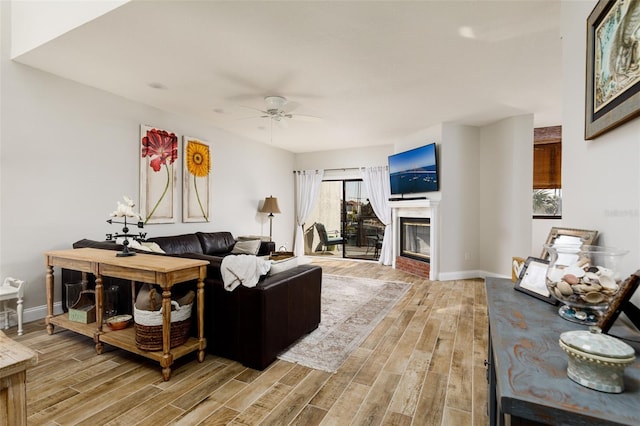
584 278
119 322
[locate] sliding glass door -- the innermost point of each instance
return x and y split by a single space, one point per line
352 229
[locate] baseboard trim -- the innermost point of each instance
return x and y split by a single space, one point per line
458 275
465 275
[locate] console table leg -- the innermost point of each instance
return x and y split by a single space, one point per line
99 303
166 374
165 363
202 343
49 290
167 357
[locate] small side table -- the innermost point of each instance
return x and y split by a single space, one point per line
280 255
14 361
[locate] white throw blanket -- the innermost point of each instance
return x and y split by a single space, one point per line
243 269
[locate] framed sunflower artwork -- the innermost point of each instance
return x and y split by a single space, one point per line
159 153
196 183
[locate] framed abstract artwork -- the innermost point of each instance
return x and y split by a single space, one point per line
613 66
158 155
196 181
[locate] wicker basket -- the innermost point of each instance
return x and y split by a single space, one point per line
148 327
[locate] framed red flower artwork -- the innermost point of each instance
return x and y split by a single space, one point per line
158 155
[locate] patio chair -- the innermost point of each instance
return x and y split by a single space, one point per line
325 240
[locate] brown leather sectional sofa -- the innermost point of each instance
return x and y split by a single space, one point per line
249 325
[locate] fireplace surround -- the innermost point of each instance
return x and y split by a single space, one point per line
418 211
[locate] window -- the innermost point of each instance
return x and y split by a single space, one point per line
547 172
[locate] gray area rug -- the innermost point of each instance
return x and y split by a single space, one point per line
351 309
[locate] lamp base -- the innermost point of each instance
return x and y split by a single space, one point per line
125 249
125 254
270 227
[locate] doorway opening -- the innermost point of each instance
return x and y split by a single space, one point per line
352 229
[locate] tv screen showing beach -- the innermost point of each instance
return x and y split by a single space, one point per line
414 171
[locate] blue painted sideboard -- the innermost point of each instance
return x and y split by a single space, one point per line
527 370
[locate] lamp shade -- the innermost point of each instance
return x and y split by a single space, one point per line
270 205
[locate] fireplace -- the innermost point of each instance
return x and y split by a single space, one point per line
415 238
418 251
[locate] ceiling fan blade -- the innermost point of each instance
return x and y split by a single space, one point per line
255 109
290 106
253 117
307 118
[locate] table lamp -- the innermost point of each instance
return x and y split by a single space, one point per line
270 206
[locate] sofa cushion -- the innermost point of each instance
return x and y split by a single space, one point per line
149 246
216 242
246 247
104 245
178 244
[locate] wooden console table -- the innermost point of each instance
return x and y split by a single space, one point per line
162 270
528 371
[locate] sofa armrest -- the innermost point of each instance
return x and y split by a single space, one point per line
253 325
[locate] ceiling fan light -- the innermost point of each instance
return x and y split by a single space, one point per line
275 102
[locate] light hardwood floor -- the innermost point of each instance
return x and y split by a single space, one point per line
422 365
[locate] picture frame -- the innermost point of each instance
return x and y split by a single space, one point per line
558 235
158 154
621 303
196 180
612 71
532 280
517 263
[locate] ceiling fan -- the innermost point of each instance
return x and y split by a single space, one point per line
279 108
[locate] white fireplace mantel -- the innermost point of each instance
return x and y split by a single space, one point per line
418 209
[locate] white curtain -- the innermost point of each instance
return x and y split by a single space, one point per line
307 189
376 182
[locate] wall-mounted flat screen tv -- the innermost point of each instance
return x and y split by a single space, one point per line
414 171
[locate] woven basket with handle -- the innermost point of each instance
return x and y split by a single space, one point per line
148 327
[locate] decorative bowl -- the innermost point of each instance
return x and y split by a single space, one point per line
596 361
584 278
119 322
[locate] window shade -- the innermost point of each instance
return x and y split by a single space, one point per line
547 166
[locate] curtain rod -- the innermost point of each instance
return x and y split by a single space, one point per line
350 168
331 170
344 169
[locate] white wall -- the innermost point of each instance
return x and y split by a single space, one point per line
344 159
600 178
506 179
68 152
419 138
459 206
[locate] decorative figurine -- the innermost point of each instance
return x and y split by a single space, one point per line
125 211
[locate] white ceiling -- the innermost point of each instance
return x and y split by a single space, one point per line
374 71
